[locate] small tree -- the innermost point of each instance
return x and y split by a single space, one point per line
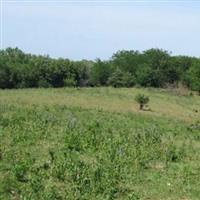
142 100
194 77
43 83
70 82
121 79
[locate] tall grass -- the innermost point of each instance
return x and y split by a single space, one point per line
56 151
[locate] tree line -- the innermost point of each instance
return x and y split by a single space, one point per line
150 68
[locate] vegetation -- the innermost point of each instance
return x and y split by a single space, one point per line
151 68
92 143
142 100
194 76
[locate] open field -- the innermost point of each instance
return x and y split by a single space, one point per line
94 143
175 104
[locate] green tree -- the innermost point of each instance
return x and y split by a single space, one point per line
159 62
148 77
194 76
121 79
142 100
127 61
151 68
5 73
100 73
70 82
157 58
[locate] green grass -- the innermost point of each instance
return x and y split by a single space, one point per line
94 143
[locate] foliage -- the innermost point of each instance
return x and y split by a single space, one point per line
142 100
194 76
151 68
43 83
52 148
121 79
100 73
147 77
70 82
127 61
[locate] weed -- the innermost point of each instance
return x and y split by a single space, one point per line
93 143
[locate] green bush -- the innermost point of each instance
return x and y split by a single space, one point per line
43 84
70 82
20 171
194 77
142 100
151 68
121 79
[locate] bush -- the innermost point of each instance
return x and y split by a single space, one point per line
44 84
194 77
142 100
148 77
121 79
70 82
20 170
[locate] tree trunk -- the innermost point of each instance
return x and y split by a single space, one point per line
141 106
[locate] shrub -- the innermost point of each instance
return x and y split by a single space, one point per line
44 84
142 100
121 79
20 170
194 77
70 82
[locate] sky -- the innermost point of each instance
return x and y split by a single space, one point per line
97 29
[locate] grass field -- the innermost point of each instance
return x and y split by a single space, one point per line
94 143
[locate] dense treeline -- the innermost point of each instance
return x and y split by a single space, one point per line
151 68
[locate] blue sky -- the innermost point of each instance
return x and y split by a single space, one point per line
87 30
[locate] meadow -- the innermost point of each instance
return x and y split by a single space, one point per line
95 143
